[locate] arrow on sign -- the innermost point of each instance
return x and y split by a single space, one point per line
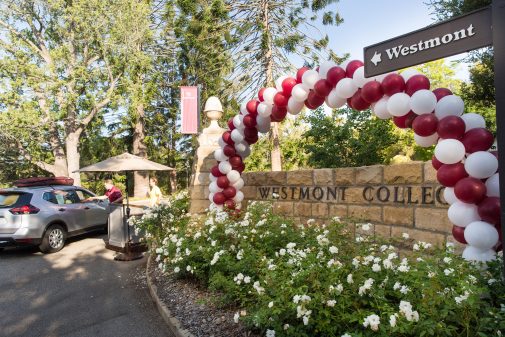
376 58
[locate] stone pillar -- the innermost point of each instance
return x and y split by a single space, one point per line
207 144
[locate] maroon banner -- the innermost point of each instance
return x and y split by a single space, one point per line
189 110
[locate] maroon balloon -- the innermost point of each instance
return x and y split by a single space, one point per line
489 210
235 161
229 192
252 140
229 150
227 138
478 139
322 88
352 66
219 198
436 163
334 75
287 85
231 126
451 127
278 113
358 103
251 106
459 234
415 83
449 174
215 171
314 99
260 94
249 121
402 120
392 84
280 99
372 92
230 204
250 132
241 168
299 74
411 117
223 182
441 93
425 125
470 190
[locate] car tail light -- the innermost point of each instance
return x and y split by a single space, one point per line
25 209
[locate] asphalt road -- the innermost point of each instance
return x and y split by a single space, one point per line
79 292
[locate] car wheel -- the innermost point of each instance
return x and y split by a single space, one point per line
53 239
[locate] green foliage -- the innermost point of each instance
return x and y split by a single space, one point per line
311 280
347 138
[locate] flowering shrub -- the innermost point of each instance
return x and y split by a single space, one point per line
310 280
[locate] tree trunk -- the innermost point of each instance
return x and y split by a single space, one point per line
268 60
140 178
73 156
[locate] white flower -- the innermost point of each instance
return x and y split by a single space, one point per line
258 288
405 236
159 250
296 299
236 317
177 269
286 326
431 274
373 321
491 281
415 247
331 303
270 333
365 227
397 286
406 309
349 279
462 298
305 320
346 335
366 286
376 268
333 250
247 279
447 259
291 245
271 304
282 252
160 266
240 254
448 272
392 320
404 290
188 268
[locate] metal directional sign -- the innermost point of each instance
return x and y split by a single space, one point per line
451 37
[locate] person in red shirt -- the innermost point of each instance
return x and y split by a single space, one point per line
112 193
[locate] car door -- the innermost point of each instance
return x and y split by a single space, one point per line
63 204
96 211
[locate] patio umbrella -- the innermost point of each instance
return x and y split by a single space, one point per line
125 162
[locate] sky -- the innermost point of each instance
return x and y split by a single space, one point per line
367 22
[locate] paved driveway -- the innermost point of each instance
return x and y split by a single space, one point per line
79 291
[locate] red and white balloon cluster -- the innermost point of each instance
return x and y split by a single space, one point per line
464 165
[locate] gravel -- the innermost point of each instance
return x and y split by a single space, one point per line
192 306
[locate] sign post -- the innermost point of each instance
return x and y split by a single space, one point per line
477 29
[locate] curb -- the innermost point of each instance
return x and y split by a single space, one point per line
173 323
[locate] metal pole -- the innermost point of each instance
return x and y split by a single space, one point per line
498 24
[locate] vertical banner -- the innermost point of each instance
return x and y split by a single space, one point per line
190 114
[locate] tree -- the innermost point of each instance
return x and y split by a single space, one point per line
61 63
266 33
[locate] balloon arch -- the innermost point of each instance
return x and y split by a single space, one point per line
462 159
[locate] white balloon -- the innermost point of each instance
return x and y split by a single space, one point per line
243 108
346 88
294 107
238 121
278 82
224 167
380 108
233 176
309 78
219 155
449 195
493 186
212 177
408 73
426 141
324 67
245 153
300 92
238 184
221 142
237 135
240 147
263 124
268 95
481 164
359 78
264 109
472 253
334 101
423 102
462 214
450 105
450 151
213 188
399 104
211 197
473 121
481 234
238 197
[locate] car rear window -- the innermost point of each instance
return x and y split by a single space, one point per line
10 199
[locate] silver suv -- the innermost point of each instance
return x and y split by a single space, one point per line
47 215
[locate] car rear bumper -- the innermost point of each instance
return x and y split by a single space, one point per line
11 242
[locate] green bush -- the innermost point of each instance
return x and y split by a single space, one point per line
321 280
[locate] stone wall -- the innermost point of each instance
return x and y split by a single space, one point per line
396 199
